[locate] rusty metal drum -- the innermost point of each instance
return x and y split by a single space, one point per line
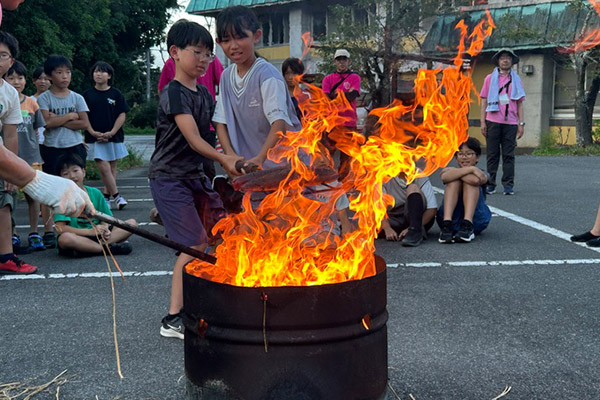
300 343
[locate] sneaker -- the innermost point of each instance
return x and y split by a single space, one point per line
108 203
122 248
36 242
413 238
490 189
446 232
16 266
49 239
120 202
17 247
508 191
172 327
465 233
584 237
593 242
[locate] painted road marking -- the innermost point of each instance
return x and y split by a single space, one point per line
532 224
127 187
135 274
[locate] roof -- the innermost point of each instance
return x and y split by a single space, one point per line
207 7
524 27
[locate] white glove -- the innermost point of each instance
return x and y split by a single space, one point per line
63 195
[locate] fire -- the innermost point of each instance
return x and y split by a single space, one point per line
590 40
287 239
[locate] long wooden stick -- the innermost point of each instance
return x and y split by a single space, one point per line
154 237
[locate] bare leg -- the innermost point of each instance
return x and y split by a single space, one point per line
5 231
596 229
70 240
177 281
47 219
470 197
106 174
451 192
118 235
34 214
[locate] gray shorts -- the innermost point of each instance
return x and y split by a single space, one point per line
6 198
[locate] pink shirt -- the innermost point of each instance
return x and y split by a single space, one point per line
498 116
210 79
352 82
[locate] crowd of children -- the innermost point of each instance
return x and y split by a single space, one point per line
45 130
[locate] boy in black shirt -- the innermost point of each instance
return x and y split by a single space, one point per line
182 193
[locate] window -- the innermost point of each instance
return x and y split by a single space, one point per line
276 28
565 87
319 24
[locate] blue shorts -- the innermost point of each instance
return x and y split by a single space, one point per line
481 217
189 208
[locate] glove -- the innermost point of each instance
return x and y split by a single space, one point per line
63 195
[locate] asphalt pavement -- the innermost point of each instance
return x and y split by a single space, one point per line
516 307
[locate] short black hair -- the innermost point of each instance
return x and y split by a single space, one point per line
472 144
38 72
10 42
185 33
235 20
295 64
18 67
56 61
104 67
67 160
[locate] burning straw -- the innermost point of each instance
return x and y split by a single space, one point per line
287 239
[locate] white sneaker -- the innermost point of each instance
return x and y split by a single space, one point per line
108 203
120 202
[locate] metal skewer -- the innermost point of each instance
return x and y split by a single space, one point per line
154 237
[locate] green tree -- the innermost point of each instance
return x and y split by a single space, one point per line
116 31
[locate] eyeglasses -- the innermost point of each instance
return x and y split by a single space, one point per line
5 56
200 55
465 155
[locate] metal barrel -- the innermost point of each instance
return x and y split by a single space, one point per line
272 343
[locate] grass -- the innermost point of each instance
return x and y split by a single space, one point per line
133 159
133 130
562 150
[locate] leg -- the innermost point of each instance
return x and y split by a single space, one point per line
34 214
508 143
118 235
596 229
470 197
176 303
47 219
106 174
5 231
451 193
493 150
71 241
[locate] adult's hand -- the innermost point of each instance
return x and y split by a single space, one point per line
63 195
483 129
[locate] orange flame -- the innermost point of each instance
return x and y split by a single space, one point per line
590 40
287 240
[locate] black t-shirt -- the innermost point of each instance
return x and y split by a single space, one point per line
173 157
105 106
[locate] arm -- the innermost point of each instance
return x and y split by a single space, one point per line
119 122
54 121
63 226
450 174
272 139
521 128
223 135
189 129
390 233
482 118
77 124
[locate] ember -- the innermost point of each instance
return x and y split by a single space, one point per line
287 240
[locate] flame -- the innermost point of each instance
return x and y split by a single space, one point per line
287 240
590 40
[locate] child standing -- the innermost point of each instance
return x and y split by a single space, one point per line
29 148
77 237
463 212
65 113
105 135
183 195
10 117
41 83
255 104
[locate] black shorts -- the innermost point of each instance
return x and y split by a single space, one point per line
50 156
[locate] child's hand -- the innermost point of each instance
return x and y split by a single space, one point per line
391 234
228 162
73 116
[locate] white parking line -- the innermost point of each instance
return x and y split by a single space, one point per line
139 224
127 187
533 224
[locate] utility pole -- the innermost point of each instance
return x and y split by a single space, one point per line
147 75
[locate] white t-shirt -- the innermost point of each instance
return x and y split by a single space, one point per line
10 106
